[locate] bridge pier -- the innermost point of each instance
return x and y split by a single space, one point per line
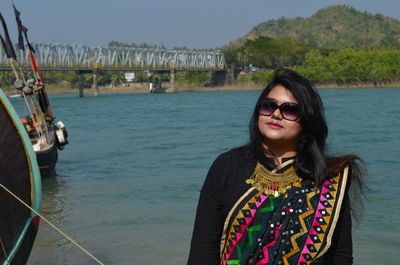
172 79
159 80
80 85
230 75
217 78
149 83
95 84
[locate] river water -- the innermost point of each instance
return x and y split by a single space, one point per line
127 185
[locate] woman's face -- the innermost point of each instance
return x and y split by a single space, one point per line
277 131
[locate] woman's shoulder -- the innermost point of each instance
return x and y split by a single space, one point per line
236 160
232 165
241 153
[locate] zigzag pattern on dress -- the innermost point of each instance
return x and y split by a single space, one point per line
242 223
302 232
321 221
251 230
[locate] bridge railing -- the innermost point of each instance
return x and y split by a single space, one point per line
85 57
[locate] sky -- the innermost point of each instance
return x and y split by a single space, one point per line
173 23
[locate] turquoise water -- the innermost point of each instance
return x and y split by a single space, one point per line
127 184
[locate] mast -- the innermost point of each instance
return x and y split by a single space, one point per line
39 87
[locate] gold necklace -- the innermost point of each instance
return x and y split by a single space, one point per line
272 183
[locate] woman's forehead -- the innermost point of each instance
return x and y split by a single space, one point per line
281 94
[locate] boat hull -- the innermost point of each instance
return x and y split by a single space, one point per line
19 176
47 160
24 250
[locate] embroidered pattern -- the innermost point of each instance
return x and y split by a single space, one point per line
294 228
241 223
322 221
303 230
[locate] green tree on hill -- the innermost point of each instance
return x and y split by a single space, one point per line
353 65
336 26
267 53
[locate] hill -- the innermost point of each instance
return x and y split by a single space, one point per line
336 26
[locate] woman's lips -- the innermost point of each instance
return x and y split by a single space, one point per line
274 125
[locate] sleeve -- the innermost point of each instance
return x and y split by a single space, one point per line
204 249
341 252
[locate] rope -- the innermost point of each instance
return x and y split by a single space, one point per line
32 107
13 68
52 225
4 250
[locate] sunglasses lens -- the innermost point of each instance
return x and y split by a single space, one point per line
290 111
267 107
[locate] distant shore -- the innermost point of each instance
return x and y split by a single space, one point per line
143 88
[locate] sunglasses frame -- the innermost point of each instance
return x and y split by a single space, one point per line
280 107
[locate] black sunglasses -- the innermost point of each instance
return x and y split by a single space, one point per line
289 110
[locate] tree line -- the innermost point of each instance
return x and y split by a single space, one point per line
323 65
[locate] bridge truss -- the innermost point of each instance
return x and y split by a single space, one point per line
80 57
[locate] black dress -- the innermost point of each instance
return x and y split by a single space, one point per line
224 186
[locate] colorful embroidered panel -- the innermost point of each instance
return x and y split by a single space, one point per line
295 228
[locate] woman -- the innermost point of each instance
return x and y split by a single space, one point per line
280 199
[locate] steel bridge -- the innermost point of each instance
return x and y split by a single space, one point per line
61 57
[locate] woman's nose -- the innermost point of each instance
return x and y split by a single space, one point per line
277 114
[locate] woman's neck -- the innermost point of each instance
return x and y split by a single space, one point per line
279 152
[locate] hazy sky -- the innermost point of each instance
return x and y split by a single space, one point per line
196 24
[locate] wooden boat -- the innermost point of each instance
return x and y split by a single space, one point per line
47 136
20 175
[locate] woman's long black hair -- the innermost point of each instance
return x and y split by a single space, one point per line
311 162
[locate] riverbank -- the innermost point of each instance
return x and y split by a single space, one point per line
143 88
234 87
358 85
